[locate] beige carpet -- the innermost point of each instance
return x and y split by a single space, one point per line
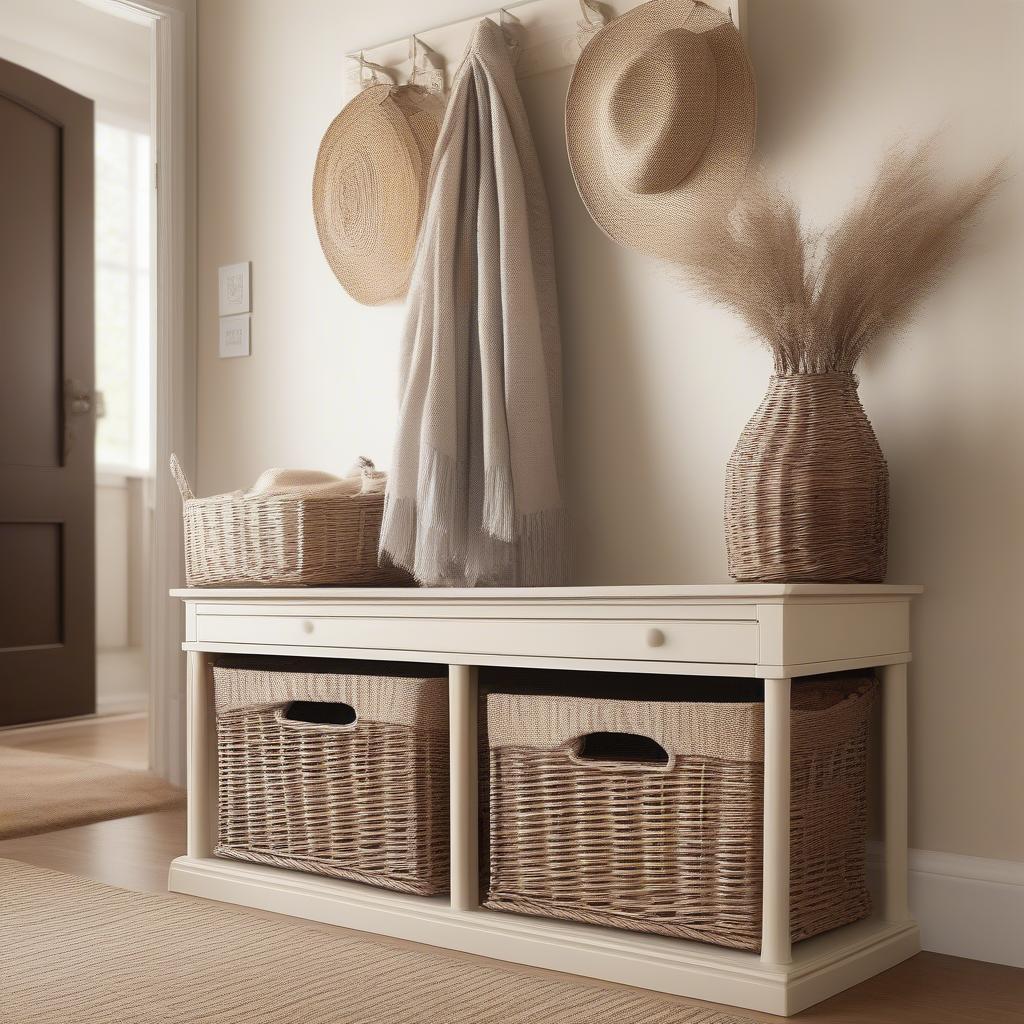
45 792
73 950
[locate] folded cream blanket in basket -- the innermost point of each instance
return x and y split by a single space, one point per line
363 478
475 492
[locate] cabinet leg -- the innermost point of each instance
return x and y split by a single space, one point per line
776 947
894 769
201 757
462 712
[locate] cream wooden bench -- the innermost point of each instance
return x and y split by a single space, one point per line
774 632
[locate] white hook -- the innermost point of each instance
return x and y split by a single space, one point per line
511 40
594 19
414 56
376 70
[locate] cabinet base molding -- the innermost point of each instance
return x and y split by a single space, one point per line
820 967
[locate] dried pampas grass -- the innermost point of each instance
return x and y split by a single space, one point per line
820 301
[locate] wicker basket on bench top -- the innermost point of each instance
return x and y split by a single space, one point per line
277 539
589 821
336 774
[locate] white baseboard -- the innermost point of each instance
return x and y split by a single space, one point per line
122 686
61 724
967 906
108 704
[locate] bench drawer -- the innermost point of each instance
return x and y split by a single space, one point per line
698 640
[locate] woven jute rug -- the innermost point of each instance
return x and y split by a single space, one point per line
45 792
72 950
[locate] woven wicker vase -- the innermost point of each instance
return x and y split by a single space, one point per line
807 488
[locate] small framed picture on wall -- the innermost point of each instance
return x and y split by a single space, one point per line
234 336
234 289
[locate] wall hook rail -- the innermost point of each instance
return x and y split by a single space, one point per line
545 35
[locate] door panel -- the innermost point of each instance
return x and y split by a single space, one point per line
31 552
30 269
47 615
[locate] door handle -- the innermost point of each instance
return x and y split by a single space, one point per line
78 401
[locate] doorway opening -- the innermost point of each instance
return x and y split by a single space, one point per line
124 457
106 401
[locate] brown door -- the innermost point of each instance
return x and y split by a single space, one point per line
47 614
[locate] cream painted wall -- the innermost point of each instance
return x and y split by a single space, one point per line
658 384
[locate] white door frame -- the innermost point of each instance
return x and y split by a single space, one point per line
173 65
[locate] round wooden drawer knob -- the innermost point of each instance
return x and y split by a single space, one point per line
655 638
307 626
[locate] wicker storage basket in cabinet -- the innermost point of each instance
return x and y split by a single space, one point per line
337 774
591 821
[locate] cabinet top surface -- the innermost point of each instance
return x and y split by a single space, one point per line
751 592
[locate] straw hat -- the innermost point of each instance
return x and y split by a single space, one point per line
659 120
370 187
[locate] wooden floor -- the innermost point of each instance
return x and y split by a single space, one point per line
135 853
121 740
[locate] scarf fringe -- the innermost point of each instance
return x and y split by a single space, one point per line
545 551
429 538
499 518
397 545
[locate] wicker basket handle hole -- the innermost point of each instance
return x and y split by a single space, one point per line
312 712
622 748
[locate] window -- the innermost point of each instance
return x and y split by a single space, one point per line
123 169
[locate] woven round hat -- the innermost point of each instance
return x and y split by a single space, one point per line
370 187
659 121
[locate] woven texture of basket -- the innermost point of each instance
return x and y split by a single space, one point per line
276 540
366 801
676 848
807 487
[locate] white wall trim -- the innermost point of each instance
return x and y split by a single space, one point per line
971 907
175 366
131 705
60 724
118 98
975 869
174 357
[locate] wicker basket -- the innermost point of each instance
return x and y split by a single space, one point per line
807 488
675 848
300 787
275 540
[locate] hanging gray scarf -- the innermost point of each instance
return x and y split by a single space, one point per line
475 492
